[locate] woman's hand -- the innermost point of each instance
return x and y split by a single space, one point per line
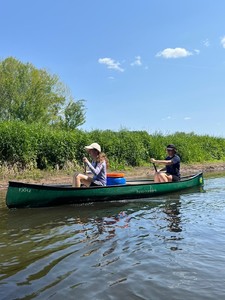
152 160
85 160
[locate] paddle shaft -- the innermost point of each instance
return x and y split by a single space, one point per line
155 167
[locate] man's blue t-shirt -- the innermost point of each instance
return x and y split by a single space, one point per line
173 169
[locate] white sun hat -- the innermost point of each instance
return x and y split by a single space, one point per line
95 146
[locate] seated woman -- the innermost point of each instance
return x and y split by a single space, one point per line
97 167
172 166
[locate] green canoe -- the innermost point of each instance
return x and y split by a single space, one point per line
36 195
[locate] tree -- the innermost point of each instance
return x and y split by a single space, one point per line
33 95
74 114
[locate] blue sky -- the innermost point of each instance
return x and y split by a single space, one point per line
154 65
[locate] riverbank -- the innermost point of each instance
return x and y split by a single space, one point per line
45 177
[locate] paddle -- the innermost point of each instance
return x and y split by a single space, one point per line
85 168
155 167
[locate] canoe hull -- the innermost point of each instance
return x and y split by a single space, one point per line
36 195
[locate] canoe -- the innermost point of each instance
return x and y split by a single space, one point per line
37 195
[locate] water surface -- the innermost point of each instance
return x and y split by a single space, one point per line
169 247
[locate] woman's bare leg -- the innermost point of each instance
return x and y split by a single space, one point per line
162 177
79 179
165 178
156 177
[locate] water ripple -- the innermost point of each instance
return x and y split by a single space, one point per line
145 249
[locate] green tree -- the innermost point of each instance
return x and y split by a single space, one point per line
74 114
32 95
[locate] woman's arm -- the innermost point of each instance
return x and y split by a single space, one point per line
95 170
164 162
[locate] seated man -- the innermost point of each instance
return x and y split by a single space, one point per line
172 166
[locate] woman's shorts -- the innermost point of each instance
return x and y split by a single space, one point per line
96 183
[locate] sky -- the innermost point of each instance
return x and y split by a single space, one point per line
153 65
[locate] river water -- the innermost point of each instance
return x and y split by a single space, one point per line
170 247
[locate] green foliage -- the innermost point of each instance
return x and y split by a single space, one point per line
58 147
18 144
74 114
45 147
33 95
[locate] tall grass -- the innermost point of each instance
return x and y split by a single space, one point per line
39 147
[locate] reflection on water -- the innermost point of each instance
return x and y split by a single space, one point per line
171 245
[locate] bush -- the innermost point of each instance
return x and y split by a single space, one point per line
44 147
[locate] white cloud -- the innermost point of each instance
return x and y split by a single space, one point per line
187 118
206 43
173 53
197 51
222 41
167 118
111 64
137 61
